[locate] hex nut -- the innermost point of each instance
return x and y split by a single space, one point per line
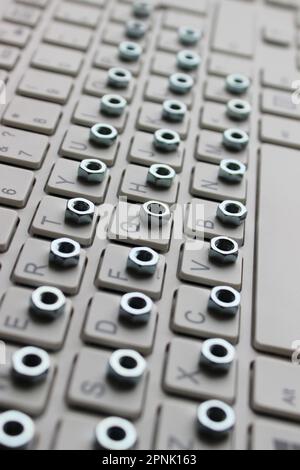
231 171
174 110
142 260
142 8
181 83
92 170
217 355
223 250
237 84
238 110
232 213
161 175
130 51
215 419
79 211
126 366
135 307
155 214
119 77
17 430
30 364
235 139
224 300
47 303
188 60
135 29
114 433
64 253
189 36
166 140
112 105
103 134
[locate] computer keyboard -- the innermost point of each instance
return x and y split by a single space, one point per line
149 175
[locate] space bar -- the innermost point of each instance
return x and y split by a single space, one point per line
277 299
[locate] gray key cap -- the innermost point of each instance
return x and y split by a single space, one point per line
8 222
150 120
96 85
274 435
279 103
13 35
17 324
279 395
24 15
108 57
78 15
210 149
280 131
157 90
9 56
274 76
15 186
74 37
34 3
22 148
174 19
32 115
214 118
223 65
57 59
46 86
215 90
33 269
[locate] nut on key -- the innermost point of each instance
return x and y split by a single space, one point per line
64 252
92 170
79 211
223 250
231 213
161 175
142 260
47 303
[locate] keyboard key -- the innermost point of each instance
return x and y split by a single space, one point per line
49 221
64 182
22 148
74 37
35 3
96 85
114 276
143 152
14 35
278 35
210 149
272 435
9 56
279 103
33 269
214 118
280 131
18 326
31 399
115 33
174 19
46 86
223 65
150 120
24 15
15 186
206 184
275 76
215 90
279 395
165 64
239 40
104 328
90 389
195 267
191 316
169 40
269 308
8 222
56 59
157 90
108 57
32 115
185 377
78 14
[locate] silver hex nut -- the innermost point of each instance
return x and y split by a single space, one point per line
231 171
155 214
142 260
181 83
114 433
215 419
135 307
17 430
136 29
238 110
161 175
224 300
231 213
119 77
30 364
126 367
174 110
142 8
188 60
235 140
130 51
113 105
79 211
92 170
103 134
223 250
237 83
47 303
64 252
166 140
217 355
189 36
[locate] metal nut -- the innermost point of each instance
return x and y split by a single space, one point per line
237 83
217 355
235 139
174 110
188 60
142 9
113 105
166 140
232 171
189 36
103 134
30 364
17 430
161 175
181 83
126 366
64 252
136 307
224 301
238 110
223 250
130 51
47 303
215 418
79 211
135 29
142 260
232 212
115 433
92 170
119 77
155 214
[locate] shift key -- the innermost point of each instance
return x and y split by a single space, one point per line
277 320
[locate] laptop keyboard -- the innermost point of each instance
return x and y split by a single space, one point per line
135 323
